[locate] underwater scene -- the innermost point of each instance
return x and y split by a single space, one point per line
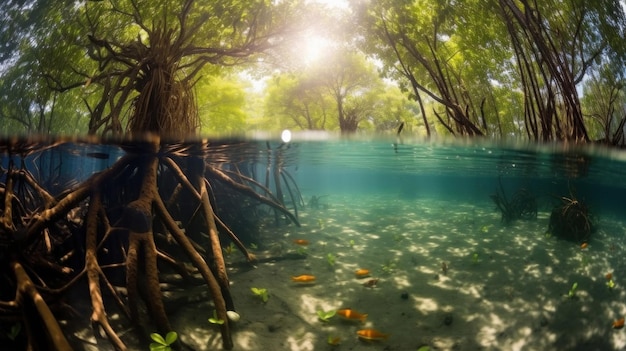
311 244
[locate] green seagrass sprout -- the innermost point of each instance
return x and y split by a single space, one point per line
325 316
330 258
229 249
572 291
215 319
475 258
610 284
163 344
389 268
261 293
15 331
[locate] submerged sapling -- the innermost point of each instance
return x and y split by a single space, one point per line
351 243
389 267
475 258
229 249
330 258
254 246
215 319
302 251
261 293
163 344
610 284
325 316
15 331
572 291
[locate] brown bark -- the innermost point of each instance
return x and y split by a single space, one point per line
94 272
26 288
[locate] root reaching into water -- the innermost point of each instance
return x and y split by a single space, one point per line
122 209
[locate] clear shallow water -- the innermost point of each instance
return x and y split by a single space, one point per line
414 204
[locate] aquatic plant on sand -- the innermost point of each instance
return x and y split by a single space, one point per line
522 205
163 343
571 220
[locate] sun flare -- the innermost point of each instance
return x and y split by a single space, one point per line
314 48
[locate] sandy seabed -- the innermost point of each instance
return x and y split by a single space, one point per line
506 286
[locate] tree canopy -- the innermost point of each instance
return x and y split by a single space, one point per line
550 70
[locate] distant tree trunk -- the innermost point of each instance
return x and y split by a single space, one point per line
546 66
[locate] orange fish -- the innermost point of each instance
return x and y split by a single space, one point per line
352 315
371 334
609 276
302 242
618 324
583 246
362 273
304 278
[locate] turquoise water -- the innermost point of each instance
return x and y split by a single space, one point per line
401 209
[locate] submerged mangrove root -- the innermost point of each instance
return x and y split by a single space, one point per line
571 220
523 204
42 223
26 289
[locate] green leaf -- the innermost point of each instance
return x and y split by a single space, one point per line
159 347
215 319
158 338
171 337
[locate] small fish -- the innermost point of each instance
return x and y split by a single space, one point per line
583 246
362 273
352 315
301 242
444 268
618 324
609 276
370 283
371 334
304 278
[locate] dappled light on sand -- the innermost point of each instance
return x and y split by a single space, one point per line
502 287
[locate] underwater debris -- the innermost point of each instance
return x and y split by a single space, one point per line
444 268
233 316
618 324
301 242
371 283
584 246
333 340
